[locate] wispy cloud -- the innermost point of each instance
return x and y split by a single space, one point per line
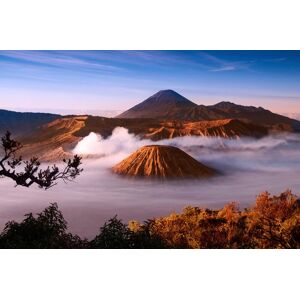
114 79
275 59
57 59
222 65
225 68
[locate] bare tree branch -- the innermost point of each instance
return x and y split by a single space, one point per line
26 173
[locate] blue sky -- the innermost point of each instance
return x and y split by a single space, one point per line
102 81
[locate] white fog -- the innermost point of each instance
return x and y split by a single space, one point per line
248 167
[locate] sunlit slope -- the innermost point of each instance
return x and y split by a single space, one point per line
162 162
56 139
227 128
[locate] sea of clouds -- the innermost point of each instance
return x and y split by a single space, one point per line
248 166
227 154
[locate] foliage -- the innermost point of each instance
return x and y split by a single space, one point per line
116 235
143 238
47 230
28 172
273 222
113 235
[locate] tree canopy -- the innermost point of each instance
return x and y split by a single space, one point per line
273 222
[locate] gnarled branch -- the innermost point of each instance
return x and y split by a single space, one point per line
26 173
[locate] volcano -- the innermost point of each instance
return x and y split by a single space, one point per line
168 105
162 162
164 104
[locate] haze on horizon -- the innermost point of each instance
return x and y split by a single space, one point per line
108 82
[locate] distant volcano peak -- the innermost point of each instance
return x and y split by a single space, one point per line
164 102
169 96
169 93
168 105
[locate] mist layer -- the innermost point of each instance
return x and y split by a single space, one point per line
248 167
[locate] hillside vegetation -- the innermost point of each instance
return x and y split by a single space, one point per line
273 222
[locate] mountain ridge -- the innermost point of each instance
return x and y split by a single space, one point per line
20 123
50 135
58 136
190 111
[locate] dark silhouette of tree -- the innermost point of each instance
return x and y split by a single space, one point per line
47 231
26 173
142 238
113 235
116 235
